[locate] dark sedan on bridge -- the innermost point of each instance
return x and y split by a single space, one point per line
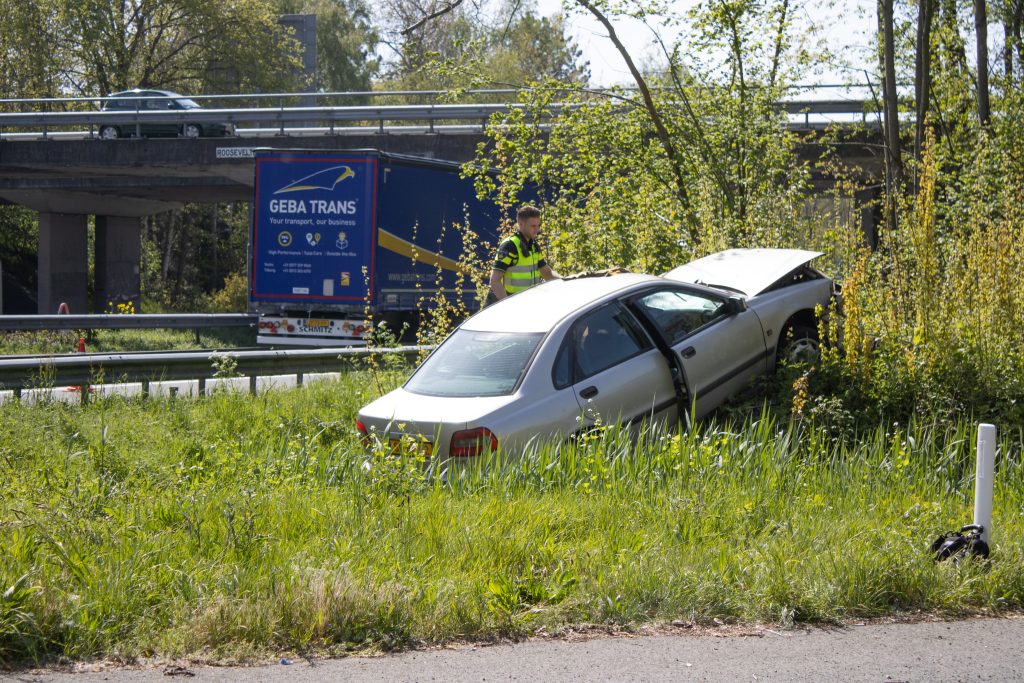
157 100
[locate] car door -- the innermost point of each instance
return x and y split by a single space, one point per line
616 373
163 128
721 346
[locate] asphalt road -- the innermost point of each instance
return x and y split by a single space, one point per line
972 650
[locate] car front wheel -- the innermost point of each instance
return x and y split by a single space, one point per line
192 130
109 133
799 344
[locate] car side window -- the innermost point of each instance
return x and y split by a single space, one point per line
561 374
678 313
604 338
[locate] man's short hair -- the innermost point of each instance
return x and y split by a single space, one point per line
527 211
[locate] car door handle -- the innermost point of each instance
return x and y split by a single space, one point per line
688 352
589 392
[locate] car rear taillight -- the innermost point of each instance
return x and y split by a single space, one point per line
364 435
473 442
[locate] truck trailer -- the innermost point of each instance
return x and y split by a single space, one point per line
342 238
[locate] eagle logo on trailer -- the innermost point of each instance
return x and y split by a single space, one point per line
327 179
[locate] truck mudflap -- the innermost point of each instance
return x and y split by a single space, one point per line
301 331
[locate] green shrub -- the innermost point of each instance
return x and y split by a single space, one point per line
233 297
934 318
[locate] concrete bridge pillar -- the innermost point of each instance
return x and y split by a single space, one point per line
118 254
63 262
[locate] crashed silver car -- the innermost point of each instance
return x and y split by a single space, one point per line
556 359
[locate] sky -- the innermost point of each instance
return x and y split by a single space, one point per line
847 28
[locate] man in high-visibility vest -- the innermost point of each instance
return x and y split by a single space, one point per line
519 263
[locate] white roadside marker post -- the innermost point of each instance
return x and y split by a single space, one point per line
984 480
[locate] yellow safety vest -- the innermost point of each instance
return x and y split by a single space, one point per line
524 273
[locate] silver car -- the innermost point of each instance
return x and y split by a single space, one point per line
157 101
568 354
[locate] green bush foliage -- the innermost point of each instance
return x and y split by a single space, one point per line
233 297
934 318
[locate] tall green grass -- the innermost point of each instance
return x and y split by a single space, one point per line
111 341
236 526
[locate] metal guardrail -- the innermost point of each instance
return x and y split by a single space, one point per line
84 369
139 321
278 118
279 98
811 108
282 118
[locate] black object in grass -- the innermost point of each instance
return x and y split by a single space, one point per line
960 544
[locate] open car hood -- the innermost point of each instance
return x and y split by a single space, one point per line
748 271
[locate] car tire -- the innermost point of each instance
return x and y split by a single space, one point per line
798 344
109 133
192 130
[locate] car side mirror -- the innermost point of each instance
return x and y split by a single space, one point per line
735 304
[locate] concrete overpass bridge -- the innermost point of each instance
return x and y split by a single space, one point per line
69 176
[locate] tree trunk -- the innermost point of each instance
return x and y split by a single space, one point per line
1017 18
179 274
165 266
981 31
890 100
780 35
922 71
216 283
954 52
1008 41
1012 15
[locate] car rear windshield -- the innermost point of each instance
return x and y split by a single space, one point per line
471 363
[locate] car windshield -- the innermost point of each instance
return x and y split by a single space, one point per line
473 363
185 103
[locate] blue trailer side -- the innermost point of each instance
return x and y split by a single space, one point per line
337 235
424 209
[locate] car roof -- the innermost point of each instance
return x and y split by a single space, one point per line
748 271
140 92
540 308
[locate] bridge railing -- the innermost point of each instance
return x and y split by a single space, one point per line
272 118
287 112
273 100
804 92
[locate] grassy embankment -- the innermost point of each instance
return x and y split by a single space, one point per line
57 342
236 526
